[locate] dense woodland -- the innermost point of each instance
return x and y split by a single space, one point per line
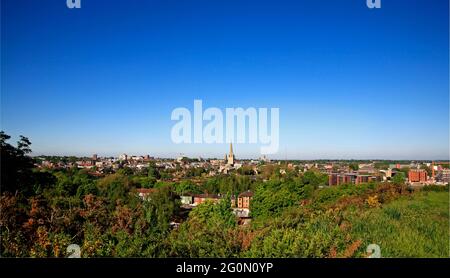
294 215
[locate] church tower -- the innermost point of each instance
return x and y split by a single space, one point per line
230 157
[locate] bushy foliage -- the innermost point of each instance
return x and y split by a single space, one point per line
273 196
301 235
407 227
294 215
210 231
399 178
17 175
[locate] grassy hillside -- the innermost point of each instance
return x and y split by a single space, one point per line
343 225
412 226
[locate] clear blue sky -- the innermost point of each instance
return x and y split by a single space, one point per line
350 82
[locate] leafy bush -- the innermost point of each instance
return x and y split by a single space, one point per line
209 232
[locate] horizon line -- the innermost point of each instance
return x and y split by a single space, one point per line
247 158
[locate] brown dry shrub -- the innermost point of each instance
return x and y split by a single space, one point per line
351 249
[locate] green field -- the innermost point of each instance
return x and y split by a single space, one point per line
344 225
412 226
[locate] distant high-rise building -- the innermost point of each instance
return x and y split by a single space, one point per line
94 157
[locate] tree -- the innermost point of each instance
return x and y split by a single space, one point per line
209 232
187 187
272 197
354 166
160 208
17 175
399 178
314 178
153 172
427 169
126 171
211 213
246 170
114 187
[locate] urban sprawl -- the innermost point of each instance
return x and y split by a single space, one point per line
195 171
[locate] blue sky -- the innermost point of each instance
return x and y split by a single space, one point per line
350 82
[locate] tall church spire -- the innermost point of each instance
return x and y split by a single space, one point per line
230 157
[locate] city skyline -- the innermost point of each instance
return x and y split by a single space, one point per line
255 157
350 82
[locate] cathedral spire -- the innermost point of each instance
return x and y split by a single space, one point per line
230 156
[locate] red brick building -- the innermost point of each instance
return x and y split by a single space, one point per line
332 179
244 199
417 175
364 179
337 179
353 178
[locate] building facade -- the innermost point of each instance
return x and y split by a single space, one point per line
201 198
244 199
417 175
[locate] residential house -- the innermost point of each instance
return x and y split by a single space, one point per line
201 198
